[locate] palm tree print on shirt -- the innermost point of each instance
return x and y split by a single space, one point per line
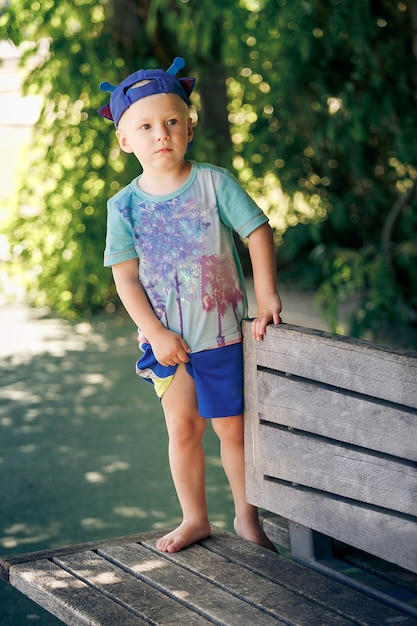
219 289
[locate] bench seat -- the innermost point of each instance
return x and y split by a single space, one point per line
223 580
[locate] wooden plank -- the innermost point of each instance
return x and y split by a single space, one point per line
253 476
126 589
204 596
276 528
257 590
68 598
319 463
225 579
337 415
320 589
6 563
359 366
380 533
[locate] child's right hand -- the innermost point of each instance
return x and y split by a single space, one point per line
169 348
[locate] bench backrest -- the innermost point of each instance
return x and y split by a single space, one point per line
331 437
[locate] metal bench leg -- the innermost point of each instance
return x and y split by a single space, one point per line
308 545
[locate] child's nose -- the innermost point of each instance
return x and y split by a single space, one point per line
162 132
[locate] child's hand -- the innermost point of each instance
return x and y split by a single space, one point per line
169 348
260 323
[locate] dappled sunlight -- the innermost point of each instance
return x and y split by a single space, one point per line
148 566
93 524
99 477
19 535
116 466
59 579
94 477
213 460
181 593
130 511
73 418
83 443
102 578
283 210
29 334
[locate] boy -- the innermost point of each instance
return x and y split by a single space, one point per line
169 243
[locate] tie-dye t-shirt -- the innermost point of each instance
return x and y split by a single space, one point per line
188 264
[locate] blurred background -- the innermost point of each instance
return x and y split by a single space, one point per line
312 105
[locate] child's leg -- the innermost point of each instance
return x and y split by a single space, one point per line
230 433
186 457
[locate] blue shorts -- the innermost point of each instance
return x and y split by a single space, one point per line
217 374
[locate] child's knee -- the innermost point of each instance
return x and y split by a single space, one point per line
186 431
229 429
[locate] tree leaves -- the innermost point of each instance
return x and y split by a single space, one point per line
313 102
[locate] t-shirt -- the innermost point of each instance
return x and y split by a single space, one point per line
188 263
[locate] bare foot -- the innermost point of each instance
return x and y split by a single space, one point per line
185 535
254 532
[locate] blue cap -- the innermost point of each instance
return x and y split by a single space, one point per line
160 81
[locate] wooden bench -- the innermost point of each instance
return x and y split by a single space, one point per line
223 580
331 446
331 429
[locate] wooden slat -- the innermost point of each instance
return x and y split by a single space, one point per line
115 582
68 598
322 590
225 580
276 528
258 591
385 535
312 461
359 366
337 415
6 563
202 595
252 474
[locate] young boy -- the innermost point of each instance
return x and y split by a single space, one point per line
169 243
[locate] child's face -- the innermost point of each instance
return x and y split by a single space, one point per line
157 129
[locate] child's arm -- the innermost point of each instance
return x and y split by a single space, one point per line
262 254
168 347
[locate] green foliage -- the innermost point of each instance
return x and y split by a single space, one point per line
380 309
58 229
313 102
325 98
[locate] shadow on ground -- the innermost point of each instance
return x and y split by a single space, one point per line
82 444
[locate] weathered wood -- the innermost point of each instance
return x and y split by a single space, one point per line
343 470
68 598
120 583
6 563
253 474
223 580
322 590
374 531
332 413
209 592
276 527
333 438
359 366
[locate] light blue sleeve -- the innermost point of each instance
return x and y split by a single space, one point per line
119 241
237 209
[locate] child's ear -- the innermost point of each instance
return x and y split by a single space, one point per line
190 130
123 143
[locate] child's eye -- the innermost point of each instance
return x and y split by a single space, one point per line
172 122
145 126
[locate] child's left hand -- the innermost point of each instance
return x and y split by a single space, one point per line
264 318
